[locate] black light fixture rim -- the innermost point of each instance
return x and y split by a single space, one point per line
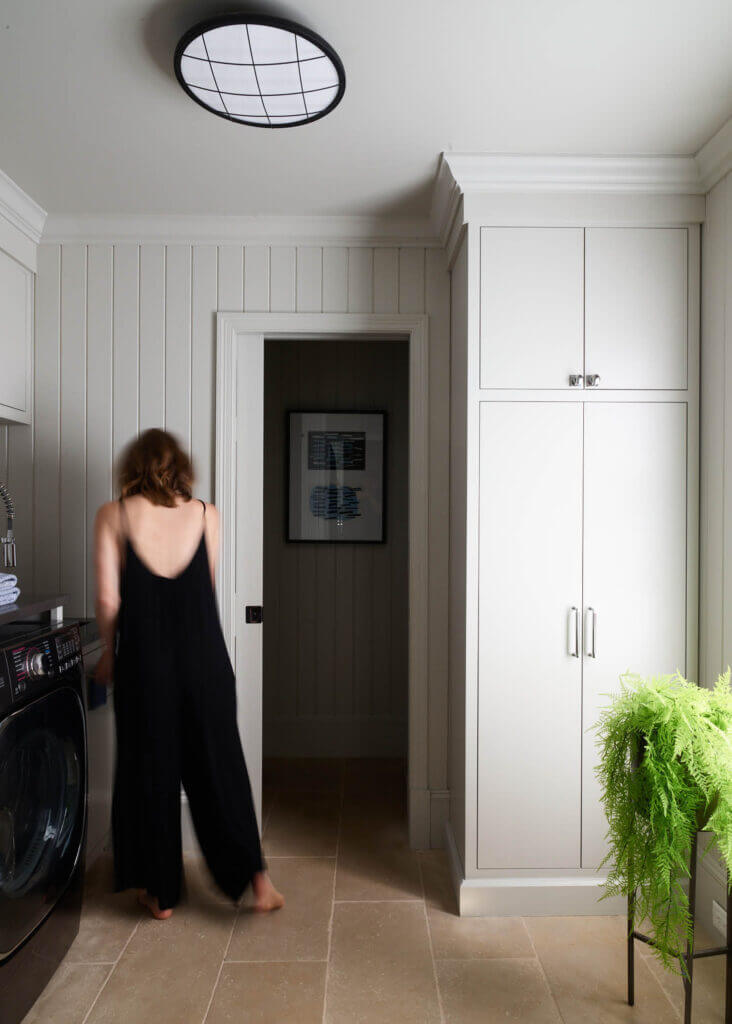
243 18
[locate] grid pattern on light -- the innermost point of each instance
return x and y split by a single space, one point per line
259 74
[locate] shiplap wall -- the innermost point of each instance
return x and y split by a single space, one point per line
125 339
335 642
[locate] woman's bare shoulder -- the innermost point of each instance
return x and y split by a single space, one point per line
108 513
212 513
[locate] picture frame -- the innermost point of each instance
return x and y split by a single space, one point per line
336 476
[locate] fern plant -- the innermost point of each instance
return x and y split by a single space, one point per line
666 772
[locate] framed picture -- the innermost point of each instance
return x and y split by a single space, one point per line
336 477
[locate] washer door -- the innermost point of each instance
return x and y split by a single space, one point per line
42 810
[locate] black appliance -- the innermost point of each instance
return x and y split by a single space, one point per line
43 785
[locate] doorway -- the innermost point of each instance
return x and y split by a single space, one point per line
335 650
240 458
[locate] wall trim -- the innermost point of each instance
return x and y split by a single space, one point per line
460 174
234 331
23 212
528 896
276 230
714 159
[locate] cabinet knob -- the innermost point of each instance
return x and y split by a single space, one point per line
593 380
575 380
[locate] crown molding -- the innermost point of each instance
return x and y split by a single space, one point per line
274 230
714 159
17 207
480 173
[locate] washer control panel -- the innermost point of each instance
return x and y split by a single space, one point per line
40 659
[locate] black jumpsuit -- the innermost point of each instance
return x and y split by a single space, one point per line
175 712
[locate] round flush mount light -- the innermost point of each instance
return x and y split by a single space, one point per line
258 70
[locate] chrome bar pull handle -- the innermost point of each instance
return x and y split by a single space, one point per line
575 380
591 633
573 644
593 380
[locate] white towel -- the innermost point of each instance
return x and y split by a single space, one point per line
9 596
7 581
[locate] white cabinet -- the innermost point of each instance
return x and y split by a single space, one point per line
530 700
531 307
636 307
583 505
16 340
606 305
635 571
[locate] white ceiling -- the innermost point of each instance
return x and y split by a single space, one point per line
93 121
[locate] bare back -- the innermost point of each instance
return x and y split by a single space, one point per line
166 539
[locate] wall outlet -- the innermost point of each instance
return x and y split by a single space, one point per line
719 917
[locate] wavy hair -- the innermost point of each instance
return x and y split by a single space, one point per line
155 466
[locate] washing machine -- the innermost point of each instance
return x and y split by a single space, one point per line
43 782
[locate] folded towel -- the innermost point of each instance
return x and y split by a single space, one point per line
9 596
8 581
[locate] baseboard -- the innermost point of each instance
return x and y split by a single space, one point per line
528 896
335 736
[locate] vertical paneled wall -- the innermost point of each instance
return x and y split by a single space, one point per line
336 640
125 339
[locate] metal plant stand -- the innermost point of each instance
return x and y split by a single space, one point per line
689 956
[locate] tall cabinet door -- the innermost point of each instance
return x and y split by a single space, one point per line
530 681
635 571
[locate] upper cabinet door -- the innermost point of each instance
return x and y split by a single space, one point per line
531 307
636 307
16 339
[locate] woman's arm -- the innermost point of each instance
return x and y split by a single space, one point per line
107 575
212 539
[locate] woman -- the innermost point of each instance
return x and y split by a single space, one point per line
174 687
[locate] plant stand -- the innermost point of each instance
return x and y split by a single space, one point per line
690 956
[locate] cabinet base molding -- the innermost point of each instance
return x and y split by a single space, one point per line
528 895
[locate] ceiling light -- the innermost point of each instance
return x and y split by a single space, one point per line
261 71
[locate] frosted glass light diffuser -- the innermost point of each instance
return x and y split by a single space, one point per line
262 71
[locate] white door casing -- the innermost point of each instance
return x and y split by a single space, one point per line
238 489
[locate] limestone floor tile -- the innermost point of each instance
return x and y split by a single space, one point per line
709 980
466 938
477 991
303 774
68 996
299 931
269 994
367 775
107 921
303 825
168 972
585 963
380 966
376 864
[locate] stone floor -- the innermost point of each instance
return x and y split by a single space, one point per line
369 934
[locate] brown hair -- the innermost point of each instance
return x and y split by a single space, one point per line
155 466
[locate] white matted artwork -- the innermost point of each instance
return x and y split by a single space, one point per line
336 477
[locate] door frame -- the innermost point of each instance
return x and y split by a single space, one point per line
236 331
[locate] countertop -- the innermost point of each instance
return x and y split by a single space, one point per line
30 605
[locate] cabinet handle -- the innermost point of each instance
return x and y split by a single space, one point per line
575 380
591 633
593 380
573 644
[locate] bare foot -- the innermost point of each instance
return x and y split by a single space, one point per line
266 897
151 902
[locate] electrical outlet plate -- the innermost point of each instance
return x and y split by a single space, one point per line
719 917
